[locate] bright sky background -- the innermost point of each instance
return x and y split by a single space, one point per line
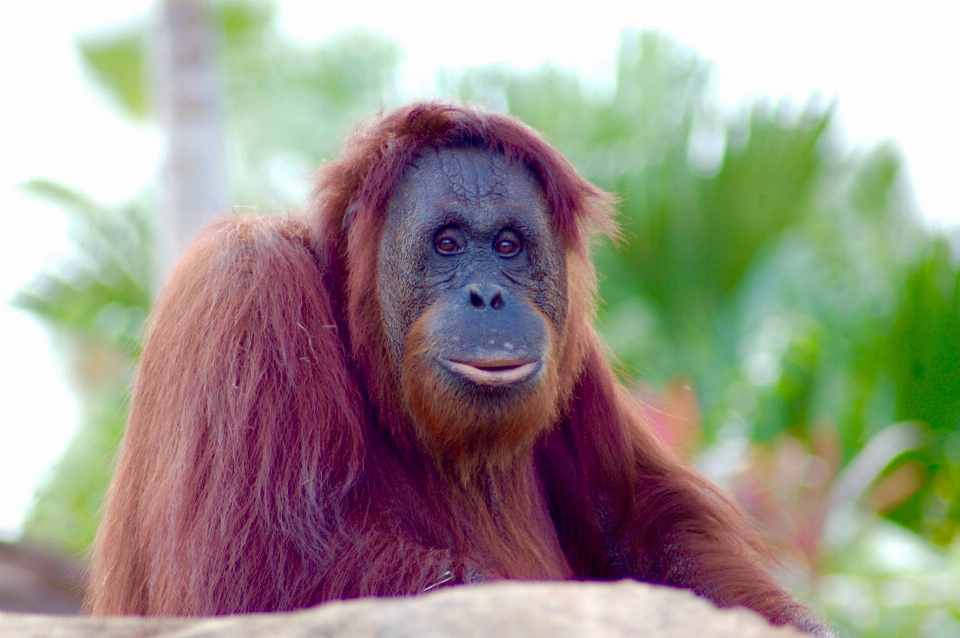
894 68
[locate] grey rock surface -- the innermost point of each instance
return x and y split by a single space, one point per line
508 609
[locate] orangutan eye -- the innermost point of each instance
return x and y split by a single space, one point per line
507 244
449 241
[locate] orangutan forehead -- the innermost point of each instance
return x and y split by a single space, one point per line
471 174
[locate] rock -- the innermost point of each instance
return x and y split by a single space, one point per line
530 610
34 579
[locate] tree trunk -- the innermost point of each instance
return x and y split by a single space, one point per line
189 103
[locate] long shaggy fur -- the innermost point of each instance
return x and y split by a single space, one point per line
270 462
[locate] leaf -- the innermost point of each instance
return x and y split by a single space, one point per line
117 62
102 289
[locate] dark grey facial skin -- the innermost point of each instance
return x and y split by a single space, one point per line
468 238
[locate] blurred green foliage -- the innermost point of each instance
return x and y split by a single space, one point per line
787 279
791 282
287 108
96 299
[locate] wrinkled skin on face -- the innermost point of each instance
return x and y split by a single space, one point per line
472 282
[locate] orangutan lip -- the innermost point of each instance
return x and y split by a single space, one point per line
493 371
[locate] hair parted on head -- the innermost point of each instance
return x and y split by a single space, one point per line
361 181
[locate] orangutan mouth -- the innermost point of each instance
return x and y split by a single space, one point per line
493 371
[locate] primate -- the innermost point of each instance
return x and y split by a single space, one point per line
400 389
